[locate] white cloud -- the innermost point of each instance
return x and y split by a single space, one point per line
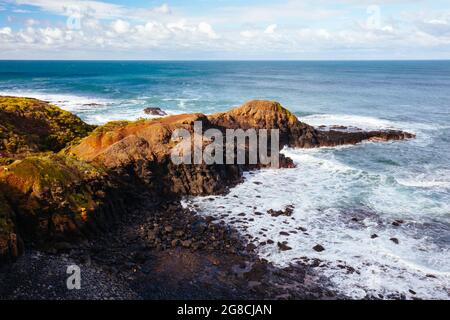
31 22
121 26
5 31
163 9
51 35
307 26
21 11
249 33
271 29
439 27
206 28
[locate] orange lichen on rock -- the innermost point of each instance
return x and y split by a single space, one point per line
83 214
116 144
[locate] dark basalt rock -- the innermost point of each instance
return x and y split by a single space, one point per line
11 244
334 138
283 246
155 111
288 211
395 240
398 223
261 114
318 248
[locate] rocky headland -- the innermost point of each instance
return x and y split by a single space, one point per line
107 198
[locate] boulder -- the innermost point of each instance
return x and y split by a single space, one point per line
318 248
155 111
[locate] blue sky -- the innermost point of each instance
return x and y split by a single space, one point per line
225 29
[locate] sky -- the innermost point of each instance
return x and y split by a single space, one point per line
225 29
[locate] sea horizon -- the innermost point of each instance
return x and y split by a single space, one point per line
231 60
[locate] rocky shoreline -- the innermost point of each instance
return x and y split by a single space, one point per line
159 253
107 199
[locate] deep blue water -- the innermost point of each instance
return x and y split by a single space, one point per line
405 91
402 180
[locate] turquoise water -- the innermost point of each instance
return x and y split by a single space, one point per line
378 183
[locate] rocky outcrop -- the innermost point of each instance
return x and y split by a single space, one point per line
120 143
50 197
143 149
29 125
262 114
333 138
43 195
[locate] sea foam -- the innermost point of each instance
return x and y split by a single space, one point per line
92 110
341 207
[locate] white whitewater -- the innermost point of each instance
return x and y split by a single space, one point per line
341 207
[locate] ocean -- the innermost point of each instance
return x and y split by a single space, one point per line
342 196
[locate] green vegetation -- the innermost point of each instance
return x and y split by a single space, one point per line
6 161
29 125
290 115
47 170
111 126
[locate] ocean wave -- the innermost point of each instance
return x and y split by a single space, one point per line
307 157
65 101
124 114
361 122
93 110
366 122
339 207
181 102
423 183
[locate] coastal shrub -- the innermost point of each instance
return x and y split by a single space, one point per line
29 125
